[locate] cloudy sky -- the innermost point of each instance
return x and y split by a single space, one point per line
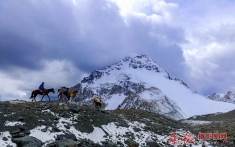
60 42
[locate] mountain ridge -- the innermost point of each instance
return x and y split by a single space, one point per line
135 75
228 97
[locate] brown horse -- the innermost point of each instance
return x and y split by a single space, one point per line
97 102
67 92
36 92
73 94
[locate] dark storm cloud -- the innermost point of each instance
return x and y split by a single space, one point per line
16 51
91 34
28 32
60 42
160 42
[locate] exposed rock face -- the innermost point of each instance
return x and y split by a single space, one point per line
94 75
229 97
159 103
215 96
181 82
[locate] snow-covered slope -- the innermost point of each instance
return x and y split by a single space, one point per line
139 82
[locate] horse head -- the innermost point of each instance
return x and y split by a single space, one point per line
52 90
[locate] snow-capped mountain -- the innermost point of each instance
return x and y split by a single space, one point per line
229 97
140 83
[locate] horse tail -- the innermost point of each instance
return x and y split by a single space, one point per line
32 94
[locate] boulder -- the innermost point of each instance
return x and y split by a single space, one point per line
74 109
67 143
27 141
67 136
131 143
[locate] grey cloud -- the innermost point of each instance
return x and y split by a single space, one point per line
58 30
216 47
90 35
163 47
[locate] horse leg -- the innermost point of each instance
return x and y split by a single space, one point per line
68 100
42 97
72 100
99 106
96 106
48 97
34 97
60 96
32 94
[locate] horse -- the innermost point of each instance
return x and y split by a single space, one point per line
97 102
73 94
36 92
63 90
67 92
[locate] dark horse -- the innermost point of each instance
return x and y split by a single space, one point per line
67 92
36 92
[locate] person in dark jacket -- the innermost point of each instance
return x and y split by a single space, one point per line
41 88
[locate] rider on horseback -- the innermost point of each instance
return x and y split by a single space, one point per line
41 88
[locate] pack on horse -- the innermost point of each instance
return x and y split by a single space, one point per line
61 91
67 92
97 101
38 91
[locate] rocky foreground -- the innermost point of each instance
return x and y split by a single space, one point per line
55 124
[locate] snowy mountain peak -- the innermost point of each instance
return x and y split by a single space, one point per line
137 82
143 61
138 62
229 97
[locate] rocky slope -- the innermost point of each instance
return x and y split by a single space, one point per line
215 123
140 83
53 123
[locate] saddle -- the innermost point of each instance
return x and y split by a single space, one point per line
64 89
44 90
